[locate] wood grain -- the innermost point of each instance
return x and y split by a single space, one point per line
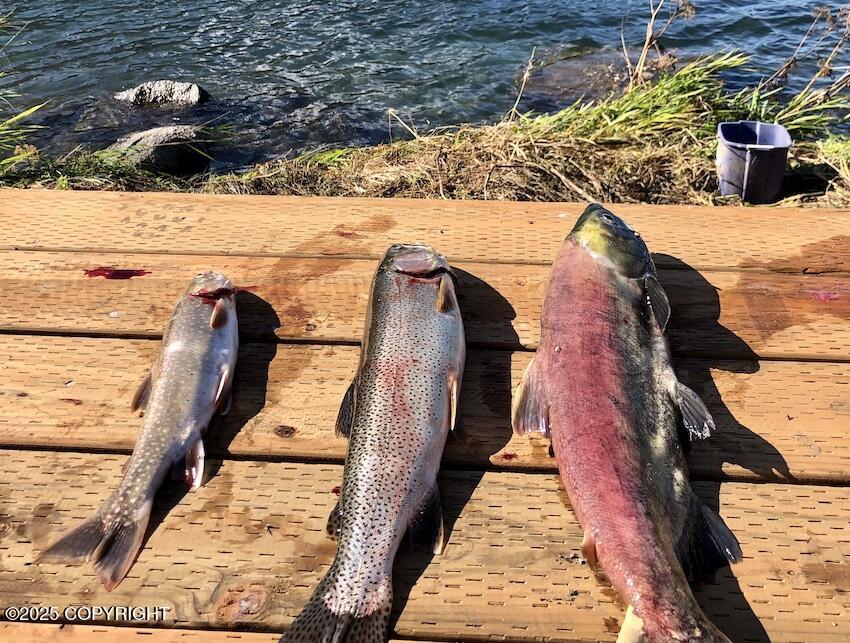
737 315
775 420
814 240
47 633
246 550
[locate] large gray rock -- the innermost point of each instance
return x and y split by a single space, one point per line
164 92
174 149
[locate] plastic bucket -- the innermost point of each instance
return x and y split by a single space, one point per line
751 158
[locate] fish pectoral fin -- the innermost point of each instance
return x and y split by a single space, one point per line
632 628
219 314
345 416
222 394
140 397
588 551
530 408
427 531
334 523
454 398
446 298
695 416
657 301
194 470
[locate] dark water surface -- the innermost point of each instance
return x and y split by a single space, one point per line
293 74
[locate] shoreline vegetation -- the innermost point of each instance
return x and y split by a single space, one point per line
653 142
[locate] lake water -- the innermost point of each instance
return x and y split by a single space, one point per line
288 75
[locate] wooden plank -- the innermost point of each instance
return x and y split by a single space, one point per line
47 633
44 633
74 393
718 314
246 550
705 237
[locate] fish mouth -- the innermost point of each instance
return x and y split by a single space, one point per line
209 281
416 260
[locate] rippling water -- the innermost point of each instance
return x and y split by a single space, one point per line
292 74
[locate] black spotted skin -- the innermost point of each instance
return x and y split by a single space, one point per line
412 357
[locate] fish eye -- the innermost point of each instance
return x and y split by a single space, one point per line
608 218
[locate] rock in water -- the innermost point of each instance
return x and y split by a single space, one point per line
164 92
174 149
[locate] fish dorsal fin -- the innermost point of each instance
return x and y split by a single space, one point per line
334 523
345 417
195 464
140 397
219 314
657 301
446 300
530 408
696 419
426 530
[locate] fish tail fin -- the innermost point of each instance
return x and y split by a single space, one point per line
320 622
112 544
698 630
711 545
632 629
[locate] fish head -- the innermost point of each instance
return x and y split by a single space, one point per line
606 235
211 286
416 260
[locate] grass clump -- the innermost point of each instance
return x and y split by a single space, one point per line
654 143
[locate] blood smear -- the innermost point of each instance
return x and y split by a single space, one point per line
116 273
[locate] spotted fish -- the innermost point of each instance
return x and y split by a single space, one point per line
397 414
190 380
603 387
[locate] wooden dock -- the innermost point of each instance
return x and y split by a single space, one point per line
760 328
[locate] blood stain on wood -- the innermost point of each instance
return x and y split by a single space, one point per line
110 272
284 431
241 603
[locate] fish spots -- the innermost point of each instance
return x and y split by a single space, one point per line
71 400
284 431
509 456
336 490
110 272
241 603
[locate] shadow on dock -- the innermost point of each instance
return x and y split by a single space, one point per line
733 443
477 299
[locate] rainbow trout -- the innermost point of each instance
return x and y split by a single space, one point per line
397 414
190 379
602 386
